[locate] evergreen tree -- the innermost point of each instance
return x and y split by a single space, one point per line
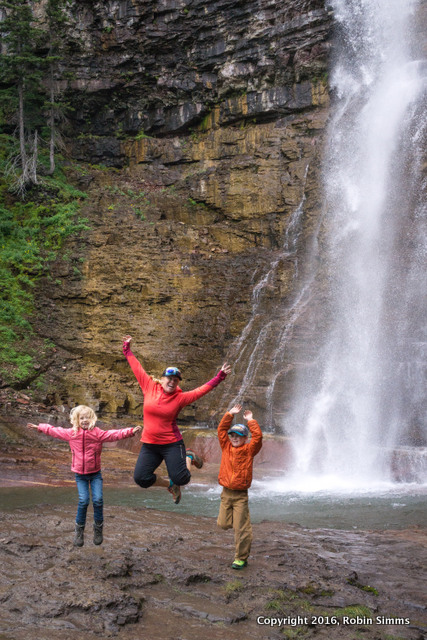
20 86
57 21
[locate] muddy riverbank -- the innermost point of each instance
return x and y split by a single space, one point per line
167 575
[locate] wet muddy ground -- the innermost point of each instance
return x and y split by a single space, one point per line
167 576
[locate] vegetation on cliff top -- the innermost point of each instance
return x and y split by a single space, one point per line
31 105
38 208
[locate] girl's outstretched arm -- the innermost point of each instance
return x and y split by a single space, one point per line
57 432
110 435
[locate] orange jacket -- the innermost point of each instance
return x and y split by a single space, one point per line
235 471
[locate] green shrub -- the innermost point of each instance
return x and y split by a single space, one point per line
31 235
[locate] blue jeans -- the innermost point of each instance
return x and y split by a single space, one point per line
94 480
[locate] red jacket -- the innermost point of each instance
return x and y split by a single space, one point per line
86 445
161 409
235 471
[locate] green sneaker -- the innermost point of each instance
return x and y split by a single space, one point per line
195 459
175 491
239 564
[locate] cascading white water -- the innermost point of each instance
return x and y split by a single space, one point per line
367 395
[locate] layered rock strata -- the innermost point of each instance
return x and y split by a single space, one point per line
205 122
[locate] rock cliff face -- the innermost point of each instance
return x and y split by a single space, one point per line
205 122
163 67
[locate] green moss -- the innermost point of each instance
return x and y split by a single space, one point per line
354 611
39 383
205 123
141 135
308 589
282 599
312 589
233 587
362 587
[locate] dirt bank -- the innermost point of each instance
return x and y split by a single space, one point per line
167 577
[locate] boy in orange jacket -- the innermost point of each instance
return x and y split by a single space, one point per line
235 475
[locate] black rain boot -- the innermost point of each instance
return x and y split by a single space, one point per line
79 537
97 533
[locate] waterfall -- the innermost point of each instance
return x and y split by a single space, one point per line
266 334
365 396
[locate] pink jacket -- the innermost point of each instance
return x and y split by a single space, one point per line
86 445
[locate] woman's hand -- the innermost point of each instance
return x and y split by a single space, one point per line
137 429
236 409
126 345
226 368
30 425
248 415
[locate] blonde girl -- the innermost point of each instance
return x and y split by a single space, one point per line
86 440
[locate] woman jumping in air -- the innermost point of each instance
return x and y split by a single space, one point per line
161 438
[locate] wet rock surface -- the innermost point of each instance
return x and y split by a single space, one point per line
167 576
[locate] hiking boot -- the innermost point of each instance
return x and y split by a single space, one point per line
195 459
97 533
175 491
239 564
79 538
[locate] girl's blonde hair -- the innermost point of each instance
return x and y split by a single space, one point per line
76 413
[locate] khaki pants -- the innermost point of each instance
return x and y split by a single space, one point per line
234 513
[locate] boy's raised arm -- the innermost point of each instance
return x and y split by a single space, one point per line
223 427
256 433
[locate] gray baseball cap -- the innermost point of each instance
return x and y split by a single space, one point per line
239 429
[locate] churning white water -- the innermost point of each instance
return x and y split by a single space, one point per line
366 397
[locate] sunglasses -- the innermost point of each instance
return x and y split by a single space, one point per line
172 371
